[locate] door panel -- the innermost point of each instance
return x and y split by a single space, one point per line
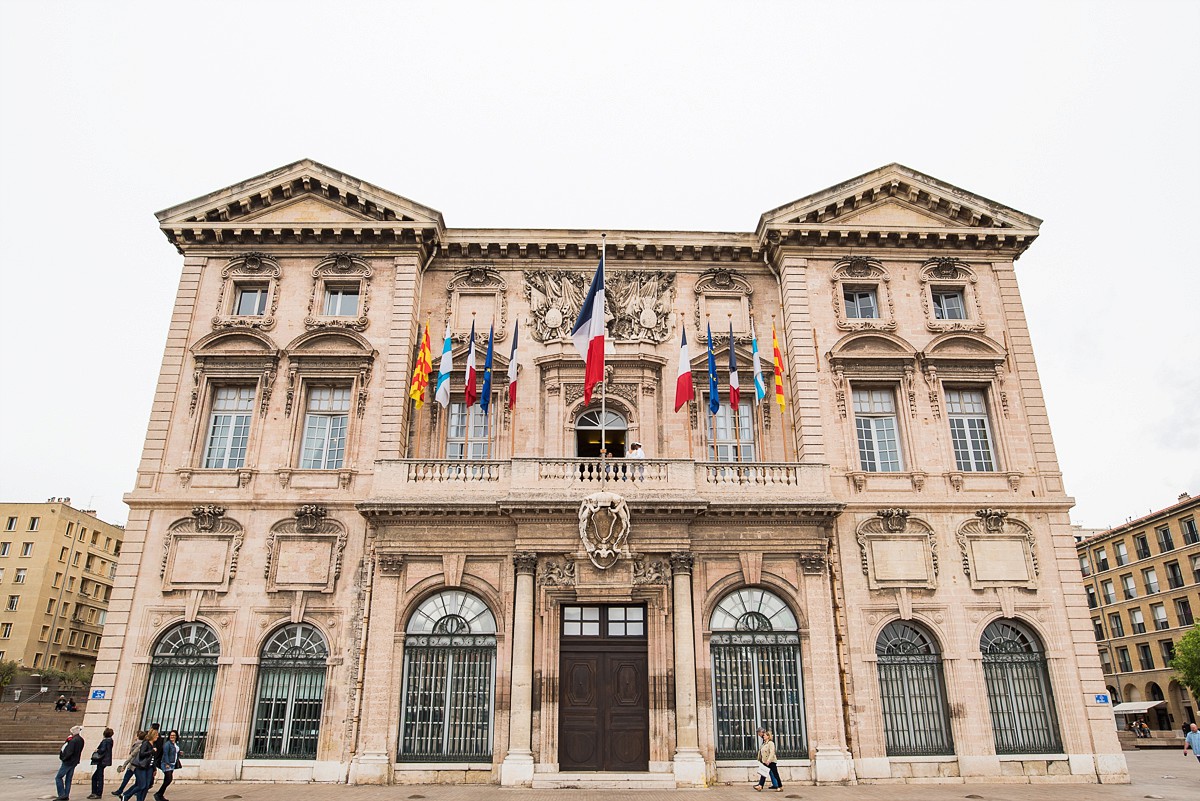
604 706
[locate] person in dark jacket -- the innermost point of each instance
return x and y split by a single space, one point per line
69 756
144 764
101 759
170 761
126 767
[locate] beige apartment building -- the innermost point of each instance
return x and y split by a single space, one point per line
322 582
1142 581
56 577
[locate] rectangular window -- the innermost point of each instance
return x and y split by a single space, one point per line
1150 579
1110 592
1091 596
878 432
19 578
1098 628
74 638
1167 647
5 630
45 635
26 549
108 543
58 633
1142 546
1165 541
730 440
37 660
62 554
325 425
626 621
53 660
13 602
1195 568
1159 612
969 430
1128 587
229 427
1105 661
1115 626
82 533
1174 575
75 559
4 548
341 300
50 607
468 435
95 538
57 580
1190 535
1137 621
1101 559
1 574
11 525
1123 662
33 523
70 584
251 300
1084 566
860 303
1183 609
1122 553
1145 657
581 621
948 304
70 529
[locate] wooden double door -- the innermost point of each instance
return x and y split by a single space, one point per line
604 697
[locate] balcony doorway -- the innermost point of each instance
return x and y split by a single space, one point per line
587 434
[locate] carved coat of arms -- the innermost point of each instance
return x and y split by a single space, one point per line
604 528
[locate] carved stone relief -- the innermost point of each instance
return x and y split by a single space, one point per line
478 280
647 571
335 267
248 267
201 552
305 552
558 574
897 550
604 528
639 303
723 288
998 550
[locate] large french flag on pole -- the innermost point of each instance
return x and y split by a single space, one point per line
470 388
588 333
512 370
735 390
685 390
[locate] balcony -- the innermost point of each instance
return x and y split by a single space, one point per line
427 482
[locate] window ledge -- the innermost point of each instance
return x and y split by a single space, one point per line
443 766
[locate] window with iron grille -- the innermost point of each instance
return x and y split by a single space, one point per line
878 433
1115 625
291 694
1106 664
183 672
970 431
1123 663
1128 587
1137 621
757 675
1183 608
1024 720
1190 535
1145 657
1174 575
1166 542
1159 612
1091 596
1098 628
449 680
1150 579
1122 553
1142 546
1084 566
1110 591
1168 650
1101 559
912 688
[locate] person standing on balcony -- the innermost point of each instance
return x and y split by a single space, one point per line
635 451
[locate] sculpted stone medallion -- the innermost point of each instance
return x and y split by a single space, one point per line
604 528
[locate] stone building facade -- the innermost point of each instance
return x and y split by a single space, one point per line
323 583
1142 581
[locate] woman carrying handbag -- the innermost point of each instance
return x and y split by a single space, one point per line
766 756
170 761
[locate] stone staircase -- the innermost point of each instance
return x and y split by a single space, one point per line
604 781
36 728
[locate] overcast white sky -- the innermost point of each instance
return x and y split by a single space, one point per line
637 115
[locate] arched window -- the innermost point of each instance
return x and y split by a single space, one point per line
757 675
1024 720
591 420
916 721
449 679
291 694
183 670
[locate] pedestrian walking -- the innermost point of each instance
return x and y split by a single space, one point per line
1192 742
766 755
69 755
126 767
101 758
170 761
143 767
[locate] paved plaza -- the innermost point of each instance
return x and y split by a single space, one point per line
1164 774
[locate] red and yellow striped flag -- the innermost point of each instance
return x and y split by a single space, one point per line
778 370
420 376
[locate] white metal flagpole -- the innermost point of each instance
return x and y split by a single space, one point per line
603 383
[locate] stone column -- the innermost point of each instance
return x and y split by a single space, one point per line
517 768
689 764
377 726
831 759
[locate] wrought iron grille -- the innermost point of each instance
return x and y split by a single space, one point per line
291 693
1024 720
448 681
183 672
912 689
757 681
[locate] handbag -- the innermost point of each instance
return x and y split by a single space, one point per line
96 757
764 771
178 763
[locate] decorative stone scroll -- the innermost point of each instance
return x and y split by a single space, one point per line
201 552
305 552
252 268
863 271
998 551
639 303
479 289
897 550
604 528
558 574
335 267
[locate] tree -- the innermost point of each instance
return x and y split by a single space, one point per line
8 672
1187 660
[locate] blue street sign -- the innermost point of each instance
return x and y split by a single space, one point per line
99 695
1101 698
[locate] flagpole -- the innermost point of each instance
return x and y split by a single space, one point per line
782 413
759 432
712 418
733 410
603 382
688 423
512 406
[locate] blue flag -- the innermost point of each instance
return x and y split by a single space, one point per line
714 401
485 397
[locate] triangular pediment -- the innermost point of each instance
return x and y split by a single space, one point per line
897 197
302 192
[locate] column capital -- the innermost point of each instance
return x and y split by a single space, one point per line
681 562
525 562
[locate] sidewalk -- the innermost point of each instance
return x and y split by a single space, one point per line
1157 774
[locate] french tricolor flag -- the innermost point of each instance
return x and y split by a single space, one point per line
588 333
734 390
471 388
685 390
512 370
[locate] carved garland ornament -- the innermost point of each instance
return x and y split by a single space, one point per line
353 268
639 303
247 266
604 528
